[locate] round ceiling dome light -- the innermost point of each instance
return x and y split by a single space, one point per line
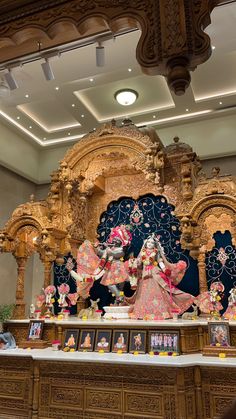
126 97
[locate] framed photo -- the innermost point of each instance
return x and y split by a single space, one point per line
103 340
219 333
137 341
86 340
120 340
35 329
71 339
163 341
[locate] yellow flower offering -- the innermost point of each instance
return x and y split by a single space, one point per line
84 350
101 351
234 318
135 352
162 353
29 349
84 318
60 317
222 355
151 353
119 352
66 349
155 263
72 350
121 293
218 344
174 354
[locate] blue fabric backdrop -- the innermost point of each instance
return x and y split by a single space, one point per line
149 214
221 263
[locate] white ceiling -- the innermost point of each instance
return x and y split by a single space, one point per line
82 95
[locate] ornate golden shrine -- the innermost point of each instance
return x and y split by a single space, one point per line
105 165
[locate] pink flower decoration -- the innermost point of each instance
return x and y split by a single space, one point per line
181 265
63 289
50 290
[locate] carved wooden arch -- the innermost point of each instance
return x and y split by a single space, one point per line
129 142
172 42
24 221
214 214
209 215
212 201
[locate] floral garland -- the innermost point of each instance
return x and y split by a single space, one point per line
149 258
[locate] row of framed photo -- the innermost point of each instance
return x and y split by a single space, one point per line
121 340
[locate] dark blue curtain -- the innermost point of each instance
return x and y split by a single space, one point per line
221 263
149 214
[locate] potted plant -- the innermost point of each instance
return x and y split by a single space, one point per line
6 312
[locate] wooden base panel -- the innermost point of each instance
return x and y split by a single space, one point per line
34 344
229 351
67 390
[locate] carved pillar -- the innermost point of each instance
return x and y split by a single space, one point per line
181 390
35 391
202 271
47 273
19 312
198 391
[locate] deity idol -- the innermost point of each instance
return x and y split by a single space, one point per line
157 294
230 313
104 260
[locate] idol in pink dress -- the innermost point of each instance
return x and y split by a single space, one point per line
103 261
157 294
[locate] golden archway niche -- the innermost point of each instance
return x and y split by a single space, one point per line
172 41
104 166
211 209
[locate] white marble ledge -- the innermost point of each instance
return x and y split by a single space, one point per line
128 359
73 320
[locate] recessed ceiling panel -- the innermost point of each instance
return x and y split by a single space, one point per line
50 115
153 94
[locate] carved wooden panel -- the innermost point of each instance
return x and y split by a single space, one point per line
218 390
16 386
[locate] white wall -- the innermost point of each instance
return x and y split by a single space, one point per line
18 154
207 137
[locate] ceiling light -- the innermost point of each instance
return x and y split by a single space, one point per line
220 103
91 79
100 55
44 138
27 96
82 116
126 97
47 70
187 109
129 70
30 127
10 79
68 133
18 117
213 47
154 116
56 88
73 105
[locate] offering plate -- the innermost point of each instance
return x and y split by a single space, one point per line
116 312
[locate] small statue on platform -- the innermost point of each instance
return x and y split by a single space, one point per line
230 313
157 295
209 302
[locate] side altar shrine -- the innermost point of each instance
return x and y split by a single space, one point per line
137 315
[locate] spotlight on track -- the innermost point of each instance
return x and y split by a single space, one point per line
100 55
10 79
47 70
